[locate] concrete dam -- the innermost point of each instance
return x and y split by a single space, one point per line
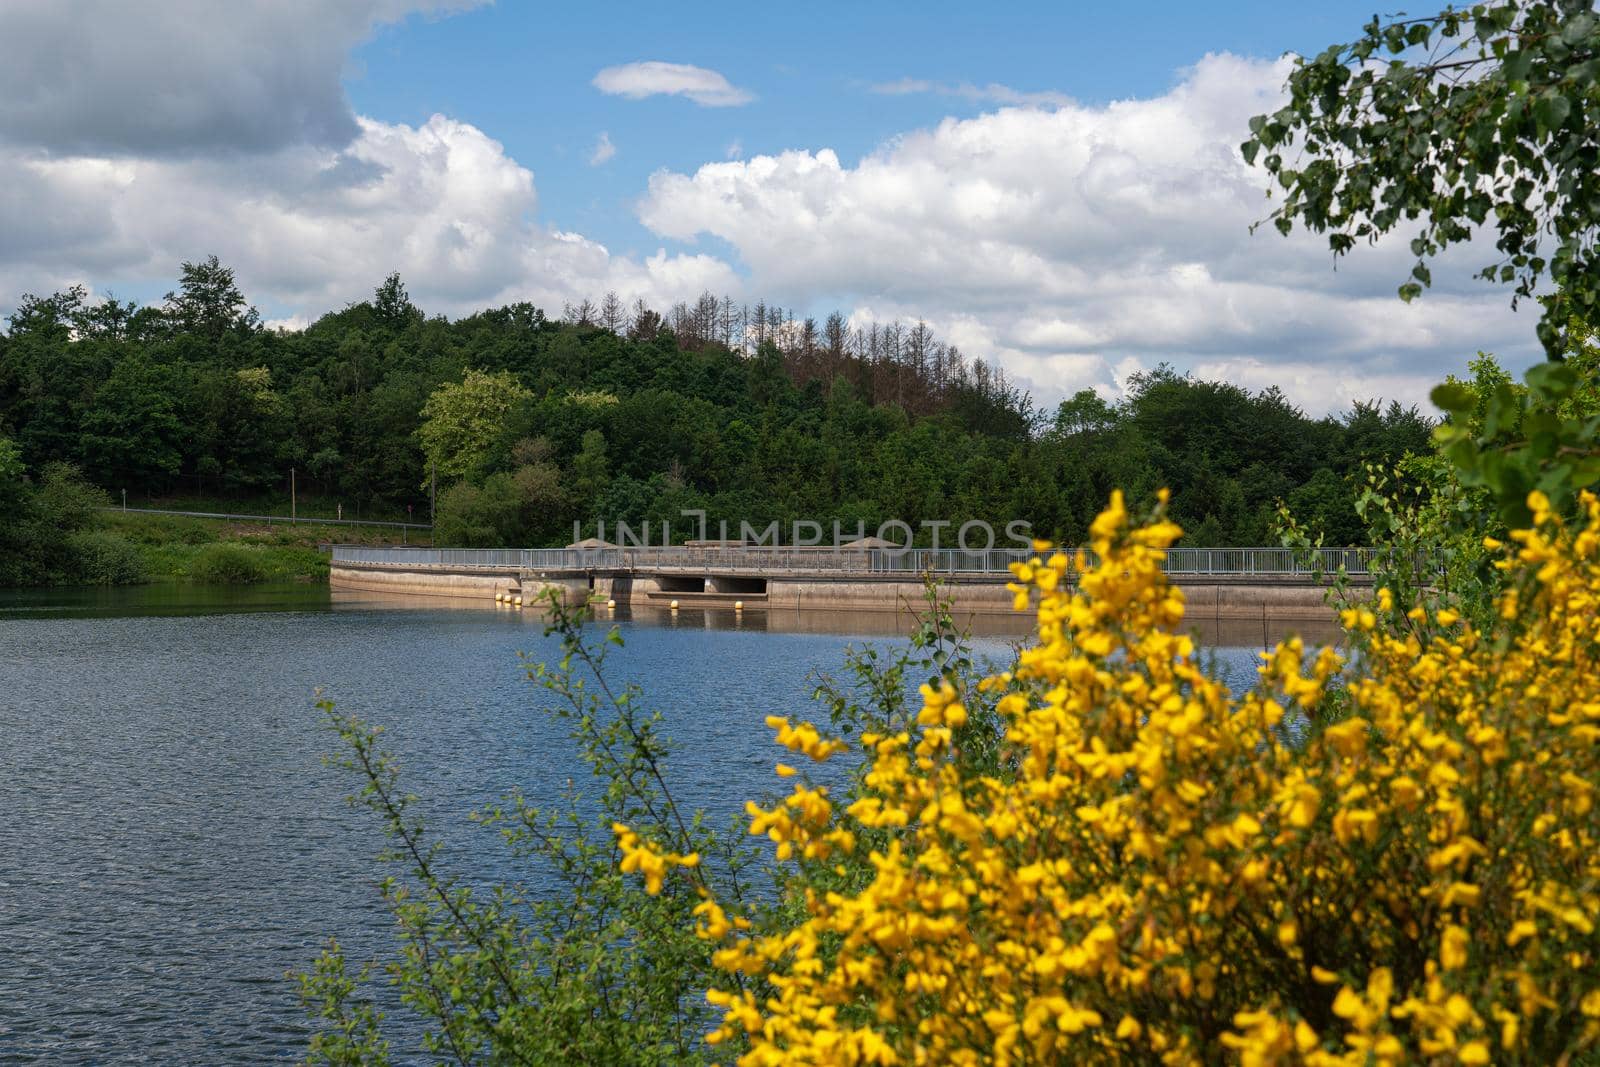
1220 583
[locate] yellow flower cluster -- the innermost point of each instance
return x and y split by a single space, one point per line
639 855
1166 872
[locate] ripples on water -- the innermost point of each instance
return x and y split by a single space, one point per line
171 844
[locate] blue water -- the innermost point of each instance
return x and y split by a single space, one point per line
171 843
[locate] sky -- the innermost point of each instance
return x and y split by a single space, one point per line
1055 186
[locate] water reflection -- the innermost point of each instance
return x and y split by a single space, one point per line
1212 632
161 599
180 599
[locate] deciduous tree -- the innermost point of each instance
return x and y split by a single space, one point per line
1484 118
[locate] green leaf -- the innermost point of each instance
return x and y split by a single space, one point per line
1511 492
1465 457
1555 481
1551 109
1551 382
1492 468
1576 32
1453 397
1585 473
1505 411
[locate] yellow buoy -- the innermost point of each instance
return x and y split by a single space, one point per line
499 597
674 605
738 605
611 603
518 602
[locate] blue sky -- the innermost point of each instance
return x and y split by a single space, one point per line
1055 188
522 72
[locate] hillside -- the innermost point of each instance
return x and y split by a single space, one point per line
628 415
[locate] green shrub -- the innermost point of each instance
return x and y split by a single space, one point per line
225 564
191 532
161 529
65 500
99 558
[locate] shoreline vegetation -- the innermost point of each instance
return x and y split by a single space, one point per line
64 532
221 551
232 552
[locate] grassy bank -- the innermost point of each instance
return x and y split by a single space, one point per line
310 506
222 551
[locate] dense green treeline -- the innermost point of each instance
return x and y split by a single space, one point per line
528 425
47 533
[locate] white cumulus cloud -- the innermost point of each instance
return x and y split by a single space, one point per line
1077 240
603 149
654 78
240 141
312 228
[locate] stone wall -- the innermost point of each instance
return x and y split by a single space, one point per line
832 594
431 582
444 582
1208 600
1241 600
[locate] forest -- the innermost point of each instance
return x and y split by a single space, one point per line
517 424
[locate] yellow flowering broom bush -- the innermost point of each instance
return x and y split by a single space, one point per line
1159 870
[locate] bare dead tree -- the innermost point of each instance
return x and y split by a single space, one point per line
759 322
678 318
887 363
705 319
726 316
612 312
807 356
955 367
893 339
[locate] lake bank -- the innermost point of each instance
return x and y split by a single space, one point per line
222 552
179 547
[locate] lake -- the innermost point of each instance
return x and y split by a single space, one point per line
173 844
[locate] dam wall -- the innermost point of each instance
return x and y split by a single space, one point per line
458 583
1209 597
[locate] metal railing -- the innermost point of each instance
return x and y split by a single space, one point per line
1272 561
754 559
945 561
1221 562
528 559
301 520
1232 562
